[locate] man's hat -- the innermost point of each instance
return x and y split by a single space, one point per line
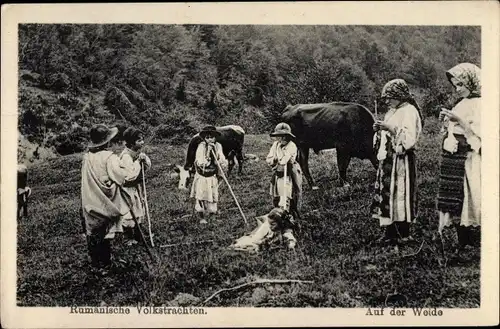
209 130
282 129
100 134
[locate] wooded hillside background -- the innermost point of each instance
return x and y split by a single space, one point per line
173 79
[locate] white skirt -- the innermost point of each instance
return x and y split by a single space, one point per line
205 188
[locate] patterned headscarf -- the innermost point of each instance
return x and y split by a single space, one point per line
398 89
470 75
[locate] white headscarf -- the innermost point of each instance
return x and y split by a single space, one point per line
470 75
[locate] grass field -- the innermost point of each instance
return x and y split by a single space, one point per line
337 247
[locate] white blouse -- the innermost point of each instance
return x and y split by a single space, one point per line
131 168
408 126
282 154
469 110
202 157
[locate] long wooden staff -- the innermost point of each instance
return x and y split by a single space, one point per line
143 239
229 186
146 205
284 196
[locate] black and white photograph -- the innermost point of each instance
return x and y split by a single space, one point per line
173 169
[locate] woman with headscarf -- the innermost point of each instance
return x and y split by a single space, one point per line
395 199
459 198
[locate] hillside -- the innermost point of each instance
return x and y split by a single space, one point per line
337 247
172 79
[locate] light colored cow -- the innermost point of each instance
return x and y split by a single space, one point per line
183 175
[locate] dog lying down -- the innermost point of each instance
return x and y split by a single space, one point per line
271 229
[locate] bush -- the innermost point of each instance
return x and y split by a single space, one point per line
31 122
58 82
436 98
118 104
181 77
71 142
177 127
28 152
178 132
31 78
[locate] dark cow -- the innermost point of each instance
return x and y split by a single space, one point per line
231 140
347 127
23 191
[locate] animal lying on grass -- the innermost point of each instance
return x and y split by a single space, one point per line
271 229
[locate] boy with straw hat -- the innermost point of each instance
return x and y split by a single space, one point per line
286 182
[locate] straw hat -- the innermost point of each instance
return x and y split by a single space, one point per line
209 131
100 134
282 129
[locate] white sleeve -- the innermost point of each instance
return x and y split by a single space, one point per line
473 131
200 158
148 162
220 155
131 168
272 154
115 170
290 153
408 131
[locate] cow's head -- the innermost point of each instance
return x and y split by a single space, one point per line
183 175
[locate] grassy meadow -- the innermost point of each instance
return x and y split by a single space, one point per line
336 248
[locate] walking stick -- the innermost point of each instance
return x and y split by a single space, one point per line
376 113
146 205
284 186
229 186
